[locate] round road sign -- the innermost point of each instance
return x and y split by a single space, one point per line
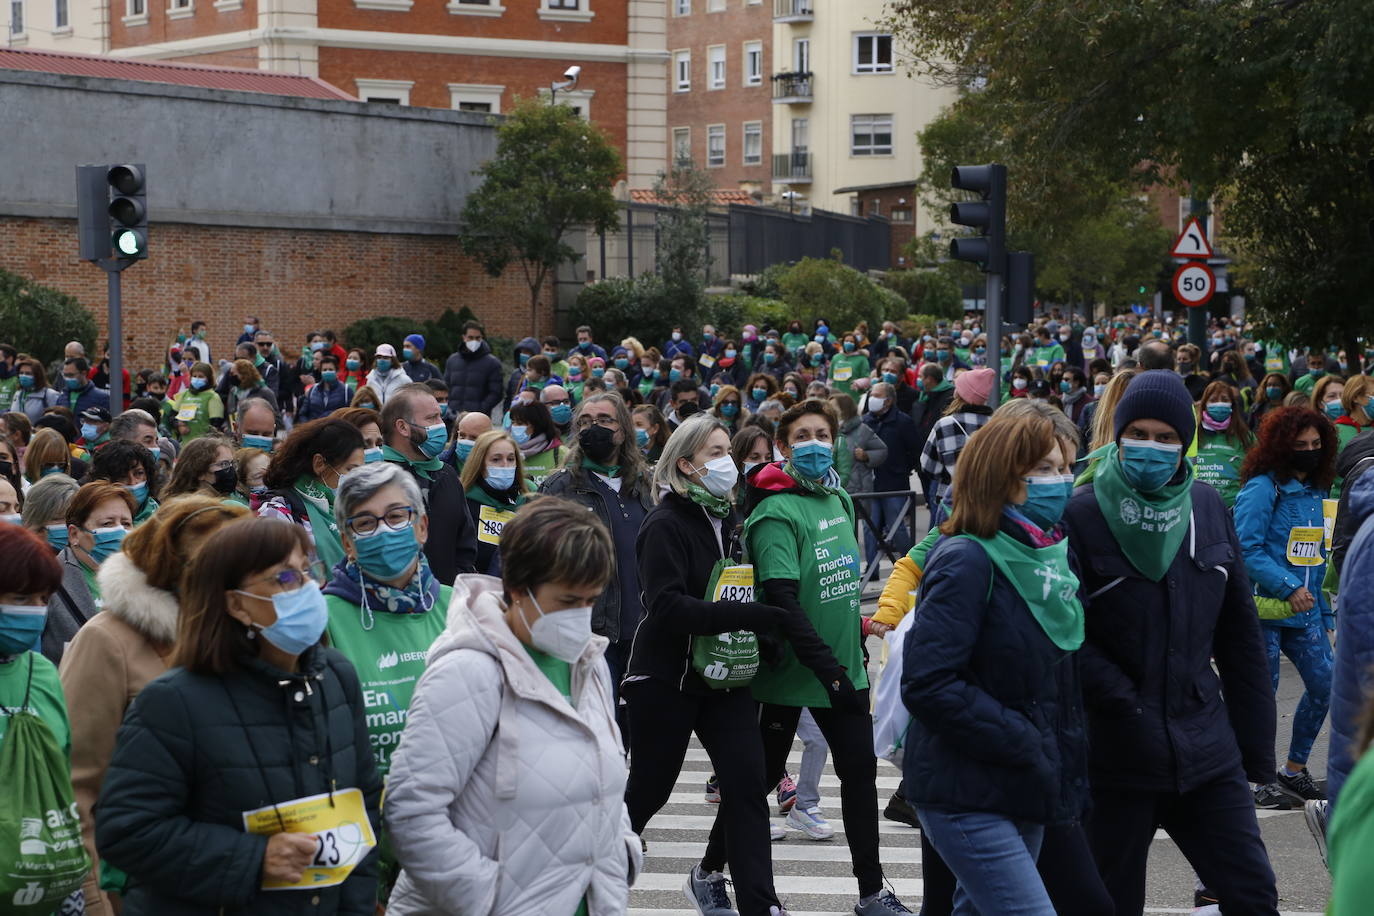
1194 283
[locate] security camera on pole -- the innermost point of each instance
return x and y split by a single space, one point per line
112 231
569 81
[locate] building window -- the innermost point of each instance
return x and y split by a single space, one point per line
475 97
715 145
682 146
385 92
872 53
801 55
901 215
753 142
855 207
870 135
682 71
60 15
565 10
682 7
715 67
16 17
564 4
715 6
753 63
875 207
801 135
135 9
471 7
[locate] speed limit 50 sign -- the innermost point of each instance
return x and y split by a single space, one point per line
1194 283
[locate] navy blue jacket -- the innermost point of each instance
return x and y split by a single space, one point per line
997 711
473 380
86 398
321 400
1156 719
1352 680
898 432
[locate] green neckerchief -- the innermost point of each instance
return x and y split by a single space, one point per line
1045 581
607 470
478 493
307 360
145 513
425 467
945 385
646 385
319 509
806 483
1149 527
1091 461
716 505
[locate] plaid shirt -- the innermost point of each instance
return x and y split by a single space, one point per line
947 439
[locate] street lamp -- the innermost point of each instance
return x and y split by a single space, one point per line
569 82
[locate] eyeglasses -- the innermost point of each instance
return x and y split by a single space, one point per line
291 579
266 343
367 524
222 465
605 421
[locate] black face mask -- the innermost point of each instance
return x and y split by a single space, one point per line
225 481
6 469
1308 462
597 443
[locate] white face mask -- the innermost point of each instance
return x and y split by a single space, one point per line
472 345
876 405
721 475
563 634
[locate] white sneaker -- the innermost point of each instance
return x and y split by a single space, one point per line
810 823
775 832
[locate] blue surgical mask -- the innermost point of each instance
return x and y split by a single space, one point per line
521 434
72 383
301 617
198 383
259 442
715 390
407 353
21 627
249 329
641 437
674 375
561 413
329 376
730 354
383 365
56 535
759 394
729 410
1334 410
139 492
386 553
462 448
813 459
849 346
88 432
1148 465
770 357
372 455
890 378
598 371
622 364
26 381
1046 498
106 543
1219 412
500 478
436 437
1098 389
524 357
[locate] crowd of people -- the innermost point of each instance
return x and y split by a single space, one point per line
346 631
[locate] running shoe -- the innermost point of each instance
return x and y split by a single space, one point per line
899 809
707 892
1274 798
787 795
1205 903
1300 785
883 903
810 823
713 790
1314 812
775 832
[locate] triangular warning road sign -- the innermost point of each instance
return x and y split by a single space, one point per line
1191 242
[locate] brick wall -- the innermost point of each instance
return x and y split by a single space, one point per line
246 58
293 280
609 25
206 20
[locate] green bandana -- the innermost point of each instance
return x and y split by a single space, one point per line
607 470
943 386
717 506
319 509
1149 527
425 467
806 483
1044 580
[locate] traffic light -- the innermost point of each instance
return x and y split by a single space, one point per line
128 212
1020 287
988 214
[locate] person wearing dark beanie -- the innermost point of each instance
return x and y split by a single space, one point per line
1167 592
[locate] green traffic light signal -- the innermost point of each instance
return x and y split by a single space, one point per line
129 243
1142 289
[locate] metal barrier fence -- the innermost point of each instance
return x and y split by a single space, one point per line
886 546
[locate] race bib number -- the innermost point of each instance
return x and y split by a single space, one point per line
343 835
736 583
1329 507
843 373
1273 364
707 360
1305 546
491 521
188 413
1042 363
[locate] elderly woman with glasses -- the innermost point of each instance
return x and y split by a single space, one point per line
242 780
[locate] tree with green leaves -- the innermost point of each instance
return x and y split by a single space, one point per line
552 171
683 252
39 320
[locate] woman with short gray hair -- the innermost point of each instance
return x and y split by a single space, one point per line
385 606
45 508
684 545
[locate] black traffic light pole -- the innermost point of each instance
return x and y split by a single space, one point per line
113 267
990 215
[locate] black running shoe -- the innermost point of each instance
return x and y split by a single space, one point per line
1274 798
899 809
1299 785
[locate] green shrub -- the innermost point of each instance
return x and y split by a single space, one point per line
619 307
768 283
928 292
826 288
40 320
730 313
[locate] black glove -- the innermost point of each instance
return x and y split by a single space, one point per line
770 649
761 617
843 696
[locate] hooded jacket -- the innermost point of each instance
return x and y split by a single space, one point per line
474 379
107 663
504 798
69 608
1352 680
1351 464
387 383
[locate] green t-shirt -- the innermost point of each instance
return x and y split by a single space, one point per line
389 659
556 670
845 369
45 697
795 342
809 538
196 409
539 468
1218 463
1305 383
8 388
1046 356
1350 840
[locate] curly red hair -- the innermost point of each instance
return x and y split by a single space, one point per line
1273 453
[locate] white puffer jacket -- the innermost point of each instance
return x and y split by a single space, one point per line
503 798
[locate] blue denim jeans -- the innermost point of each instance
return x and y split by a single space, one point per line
993 858
1309 649
884 512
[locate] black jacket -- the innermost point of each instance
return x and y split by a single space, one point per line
1156 718
926 412
473 380
677 550
452 544
196 751
575 485
997 710
1350 466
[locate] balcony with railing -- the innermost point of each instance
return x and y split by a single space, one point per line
792 168
793 11
792 88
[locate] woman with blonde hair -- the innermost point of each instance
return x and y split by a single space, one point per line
205 467
366 396
47 454
250 385
728 408
494 481
1103 431
120 650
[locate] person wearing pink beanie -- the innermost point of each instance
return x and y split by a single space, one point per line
974 387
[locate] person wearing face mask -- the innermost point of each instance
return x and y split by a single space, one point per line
1167 594
32 396
1357 415
302 477
686 542
466 431
1188 362
205 467
559 403
387 376
995 759
811 571
651 432
604 470
848 366
353 370
415 437
496 484
541 449
198 408
510 742
1280 525
250 466
327 395
417 368
898 433
859 449
98 518
967 413
255 740
133 467
1316 371
95 428
760 387
1326 397
125 646
727 408
1222 441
